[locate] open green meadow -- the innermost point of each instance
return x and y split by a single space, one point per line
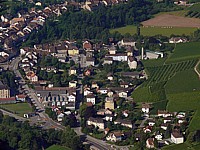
57 147
185 51
185 81
19 108
151 31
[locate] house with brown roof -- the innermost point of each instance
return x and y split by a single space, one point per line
114 136
176 136
90 61
91 98
9 100
97 122
125 123
87 45
150 143
146 107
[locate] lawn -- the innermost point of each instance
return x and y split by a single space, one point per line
185 51
153 62
57 147
19 108
151 31
183 146
184 81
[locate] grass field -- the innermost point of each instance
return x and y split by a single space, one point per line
185 51
151 31
185 81
19 108
57 147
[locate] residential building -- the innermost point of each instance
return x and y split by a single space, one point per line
118 57
164 114
21 98
4 90
72 50
72 84
9 100
114 136
177 137
72 71
109 104
146 107
91 98
132 63
177 40
125 123
108 60
32 76
127 42
90 61
154 55
150 143
97 122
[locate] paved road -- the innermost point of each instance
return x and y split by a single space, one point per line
196 70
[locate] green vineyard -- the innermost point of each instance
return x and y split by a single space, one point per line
165 72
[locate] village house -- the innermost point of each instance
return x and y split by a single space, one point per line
109 103
110 76
106 131
164 114
97 122
72 50
94 85
118 57
4 90
72 71
21 98
72 84
150 143
124 84
177 40
114 136
32 76
90 61
8 100
71 97
108 117
110 93
127 42
125 123
87 46
112 50
146 107
177 137
132 63
147 129
103 91
129 51
87 91
108 60
91 98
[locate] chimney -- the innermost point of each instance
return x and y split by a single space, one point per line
142 53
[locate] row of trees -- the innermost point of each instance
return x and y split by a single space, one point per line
20 135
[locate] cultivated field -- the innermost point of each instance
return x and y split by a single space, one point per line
151 31
185 51
167 20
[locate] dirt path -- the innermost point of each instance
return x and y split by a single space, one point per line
196 70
